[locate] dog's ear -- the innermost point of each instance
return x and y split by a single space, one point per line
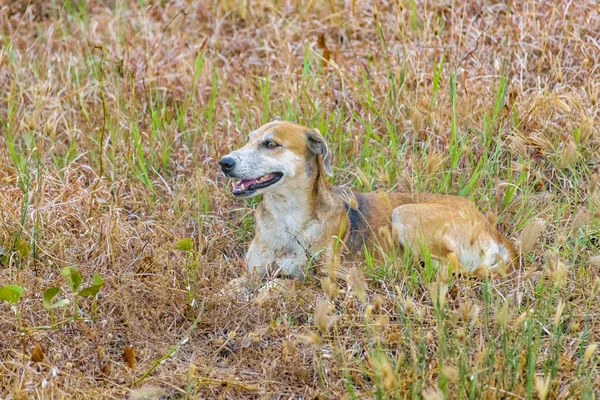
317 145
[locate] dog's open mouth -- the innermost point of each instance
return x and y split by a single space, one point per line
248 186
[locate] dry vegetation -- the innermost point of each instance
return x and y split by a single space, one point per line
113 114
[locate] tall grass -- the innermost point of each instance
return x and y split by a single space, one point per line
113 117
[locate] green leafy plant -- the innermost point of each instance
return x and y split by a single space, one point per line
19 248
184 244
92 291
73 277
190 284
47 297
11 293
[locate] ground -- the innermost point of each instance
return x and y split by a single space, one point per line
113 117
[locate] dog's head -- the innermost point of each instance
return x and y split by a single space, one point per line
279 156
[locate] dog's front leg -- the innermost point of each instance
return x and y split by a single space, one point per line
260 260
294 268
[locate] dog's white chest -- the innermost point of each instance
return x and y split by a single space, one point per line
283 244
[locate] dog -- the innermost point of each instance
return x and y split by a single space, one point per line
302 219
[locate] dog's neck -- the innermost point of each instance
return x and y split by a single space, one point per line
305 203
280 203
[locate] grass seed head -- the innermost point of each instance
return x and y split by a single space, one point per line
502 315
575 327
409 307
519 322
310 338
497 65
329 288
481 270
562 105
364 179
594 179
560 307
451 373
357 283
322 315
368 312
434 162
560 239
590 350
438 292
542 386
377 304
453 262
433 393
530 235
429 337
556 270
388 377
595 286
468 311
492 218
382 321
586 129
192 371
581 218
528 274
146 393
568 155
461 334
442 273
385 233
501 269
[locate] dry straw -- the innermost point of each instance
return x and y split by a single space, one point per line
423 98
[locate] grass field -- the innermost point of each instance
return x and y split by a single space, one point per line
113 115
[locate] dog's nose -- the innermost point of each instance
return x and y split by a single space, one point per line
227 164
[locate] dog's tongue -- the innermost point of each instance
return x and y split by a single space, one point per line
245 183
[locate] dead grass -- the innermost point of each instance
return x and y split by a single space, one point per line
114 113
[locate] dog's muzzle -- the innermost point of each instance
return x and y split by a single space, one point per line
227 164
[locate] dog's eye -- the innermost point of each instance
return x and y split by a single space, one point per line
269 144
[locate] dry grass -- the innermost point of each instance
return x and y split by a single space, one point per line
114 113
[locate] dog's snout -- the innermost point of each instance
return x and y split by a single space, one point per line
227 164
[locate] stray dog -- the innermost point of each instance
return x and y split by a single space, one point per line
302 217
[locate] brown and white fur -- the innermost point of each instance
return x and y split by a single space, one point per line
301 215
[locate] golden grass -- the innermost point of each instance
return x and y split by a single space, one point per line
114 113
